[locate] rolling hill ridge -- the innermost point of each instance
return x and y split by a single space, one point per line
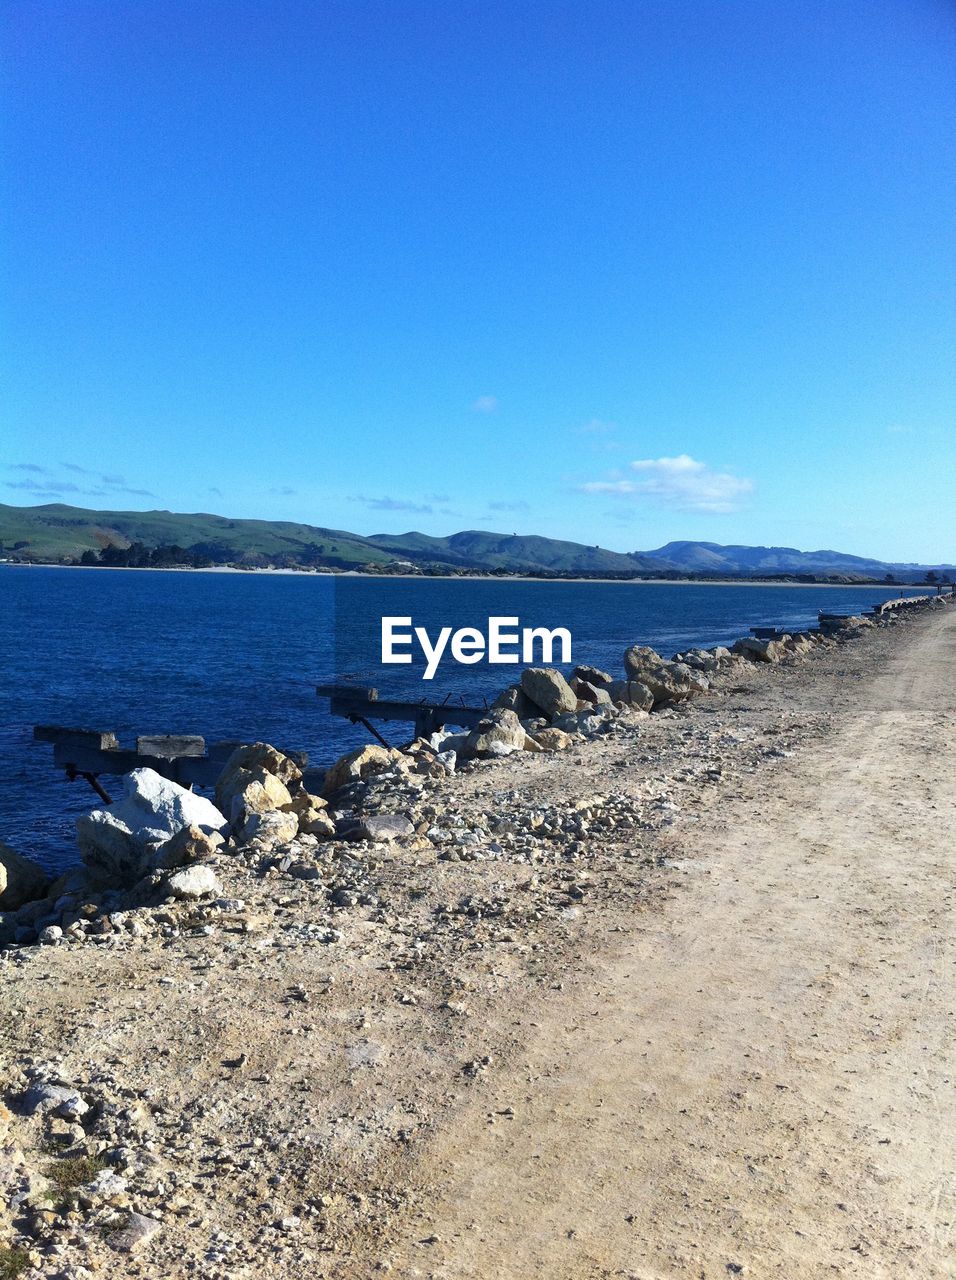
60 534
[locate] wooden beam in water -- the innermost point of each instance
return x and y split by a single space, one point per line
80 737
361 705
170 746
180 757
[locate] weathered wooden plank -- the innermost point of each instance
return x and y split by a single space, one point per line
362 705
358 693
81 737
170 745
186 770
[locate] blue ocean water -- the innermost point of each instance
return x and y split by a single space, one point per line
237 656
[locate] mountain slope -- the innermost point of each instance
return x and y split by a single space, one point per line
62 534
712 557
474 547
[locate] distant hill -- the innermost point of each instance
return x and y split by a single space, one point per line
61 534
712 558
503 551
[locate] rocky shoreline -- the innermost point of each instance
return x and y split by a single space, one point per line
291 952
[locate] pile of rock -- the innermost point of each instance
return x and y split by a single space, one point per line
544 712
784 646
263 797
367 762
844 628
159 843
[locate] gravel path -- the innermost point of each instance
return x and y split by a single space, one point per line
758 1078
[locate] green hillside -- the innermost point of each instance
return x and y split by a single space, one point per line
65 535
62 533
504 551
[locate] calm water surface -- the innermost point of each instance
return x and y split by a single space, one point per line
237 656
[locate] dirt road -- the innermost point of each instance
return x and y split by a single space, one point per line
758 1079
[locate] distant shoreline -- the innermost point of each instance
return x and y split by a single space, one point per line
483 577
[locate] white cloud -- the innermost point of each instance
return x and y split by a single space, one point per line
387 503
679 482
485 404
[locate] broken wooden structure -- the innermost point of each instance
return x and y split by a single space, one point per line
183 758
362 705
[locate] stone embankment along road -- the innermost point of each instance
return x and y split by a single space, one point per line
759 1079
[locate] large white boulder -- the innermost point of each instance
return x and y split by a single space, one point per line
124 842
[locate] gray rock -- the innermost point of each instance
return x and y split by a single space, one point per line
592 675
667 681
633 693
514 699
597 695
50 935
455 744
270 829
190 883
759 650
500 734
700 660
137 1233
356 766
379 826
587 723
638 658
21 880
59 1099
696 680
548 690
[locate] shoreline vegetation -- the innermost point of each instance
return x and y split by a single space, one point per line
673 579
63 535
377 963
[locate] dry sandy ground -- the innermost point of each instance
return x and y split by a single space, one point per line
719 1036
758 1079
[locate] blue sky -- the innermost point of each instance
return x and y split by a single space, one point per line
615 272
